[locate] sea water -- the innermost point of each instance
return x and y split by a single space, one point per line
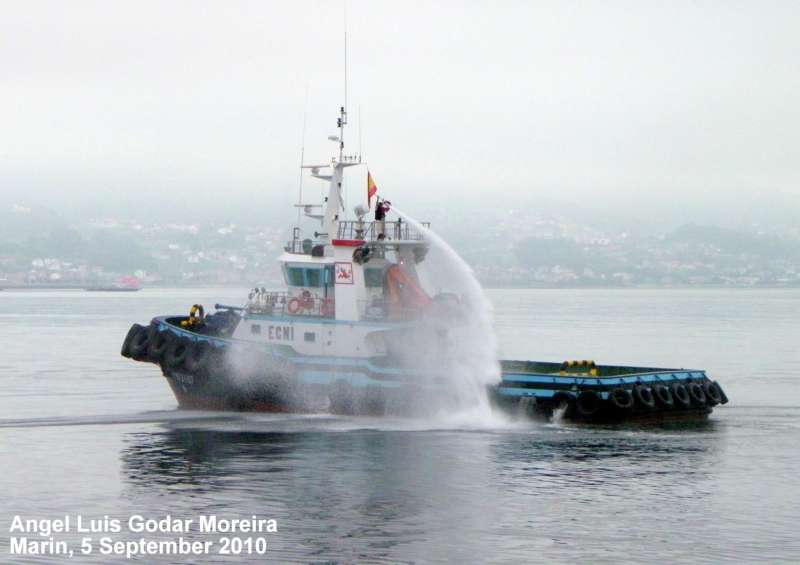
85 431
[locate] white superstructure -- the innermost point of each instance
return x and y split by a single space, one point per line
355 280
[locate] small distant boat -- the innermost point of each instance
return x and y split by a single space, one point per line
122 284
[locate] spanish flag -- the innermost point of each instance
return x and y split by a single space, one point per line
372 189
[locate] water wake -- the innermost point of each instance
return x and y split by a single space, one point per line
155 417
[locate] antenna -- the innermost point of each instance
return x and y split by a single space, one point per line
359 134
342 121
345 55
302 157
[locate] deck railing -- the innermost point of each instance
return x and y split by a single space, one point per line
301 246
370 231
278 303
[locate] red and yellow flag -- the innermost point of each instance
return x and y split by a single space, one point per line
372 189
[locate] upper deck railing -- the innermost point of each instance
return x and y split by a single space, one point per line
303 246
371 231
279 303
362 231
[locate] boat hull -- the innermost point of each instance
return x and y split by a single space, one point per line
275 392
193 395
238 376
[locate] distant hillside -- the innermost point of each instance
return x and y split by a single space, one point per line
735 242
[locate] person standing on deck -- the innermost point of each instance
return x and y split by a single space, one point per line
372 190
381 208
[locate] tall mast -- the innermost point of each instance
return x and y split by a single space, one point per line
334 202
302 159
341 132
343 110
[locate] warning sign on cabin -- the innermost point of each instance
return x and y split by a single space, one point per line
344 273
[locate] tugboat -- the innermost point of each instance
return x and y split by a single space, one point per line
347 334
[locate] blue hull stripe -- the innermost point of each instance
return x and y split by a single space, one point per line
360 370
511 378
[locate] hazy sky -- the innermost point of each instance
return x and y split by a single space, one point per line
577 100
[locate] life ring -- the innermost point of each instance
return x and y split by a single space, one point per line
663 396
644 396
176 352
588 403
327 307
712 391
126 343
697 394
293 306
681 395
621 398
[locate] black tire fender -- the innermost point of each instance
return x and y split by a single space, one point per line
126 343
644 396
697 394
722 393
712 391
681 395
621 398
139 343
663 396
176 352
158 344
588 403
565 401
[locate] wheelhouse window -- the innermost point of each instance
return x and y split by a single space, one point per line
313 277
295 276
306 276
